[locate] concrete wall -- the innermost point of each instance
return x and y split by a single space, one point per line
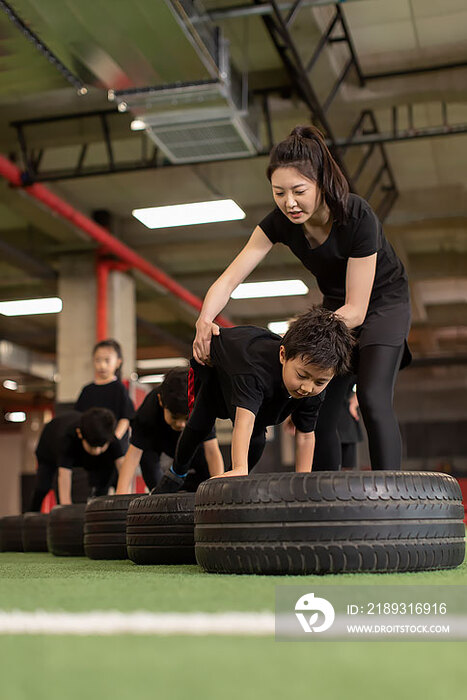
11 450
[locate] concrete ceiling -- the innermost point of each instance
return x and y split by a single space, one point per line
139 44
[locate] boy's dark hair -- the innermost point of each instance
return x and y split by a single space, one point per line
115 345
306 150
322 338
97 426
174 391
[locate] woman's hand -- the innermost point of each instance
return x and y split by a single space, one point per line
202 342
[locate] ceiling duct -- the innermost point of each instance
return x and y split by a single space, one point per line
202 120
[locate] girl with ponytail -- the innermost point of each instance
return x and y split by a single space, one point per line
338 238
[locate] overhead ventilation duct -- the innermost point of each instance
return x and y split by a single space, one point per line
203 120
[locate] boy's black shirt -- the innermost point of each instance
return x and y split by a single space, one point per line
246 360
60 445
113 396
150 432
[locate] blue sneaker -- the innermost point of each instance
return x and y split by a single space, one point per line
171 482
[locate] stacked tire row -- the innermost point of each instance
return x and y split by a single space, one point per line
295 524
160 529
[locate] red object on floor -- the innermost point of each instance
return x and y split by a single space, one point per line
49 502
140 485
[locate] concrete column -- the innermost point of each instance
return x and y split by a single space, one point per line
121 317
77 322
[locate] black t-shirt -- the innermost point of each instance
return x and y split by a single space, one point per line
113 396
60 445
246 359
362 235
150 432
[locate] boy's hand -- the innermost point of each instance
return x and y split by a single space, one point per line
202 342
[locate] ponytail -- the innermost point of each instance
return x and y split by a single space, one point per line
306 150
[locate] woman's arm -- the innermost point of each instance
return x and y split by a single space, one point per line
358 285
304 451
122 426
127 470
218 295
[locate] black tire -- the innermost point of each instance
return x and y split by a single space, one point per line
65 530
105 527
35 532
11 536
160 529
329 522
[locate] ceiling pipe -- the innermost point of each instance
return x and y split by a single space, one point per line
101 235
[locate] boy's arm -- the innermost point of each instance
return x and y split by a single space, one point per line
241 436
64 486
122 426
214 458
127 470
304 451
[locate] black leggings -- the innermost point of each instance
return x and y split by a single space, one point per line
151 469
376 376
349 455
44 482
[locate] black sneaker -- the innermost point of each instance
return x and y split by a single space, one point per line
170 483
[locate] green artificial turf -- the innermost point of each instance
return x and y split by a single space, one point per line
42 581
204 668
127 668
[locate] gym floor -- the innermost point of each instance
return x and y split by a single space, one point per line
49 667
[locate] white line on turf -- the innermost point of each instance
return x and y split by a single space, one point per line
114 622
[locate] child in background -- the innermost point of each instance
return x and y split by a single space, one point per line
74 439
107 390
156 429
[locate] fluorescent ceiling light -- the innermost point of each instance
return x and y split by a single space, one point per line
28 307
279 327
10 384
15 417
280 288
137 125
162 363
189 214
152 379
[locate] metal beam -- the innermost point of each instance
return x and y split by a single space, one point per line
408 135
266 8
26 262
280 35
415 71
